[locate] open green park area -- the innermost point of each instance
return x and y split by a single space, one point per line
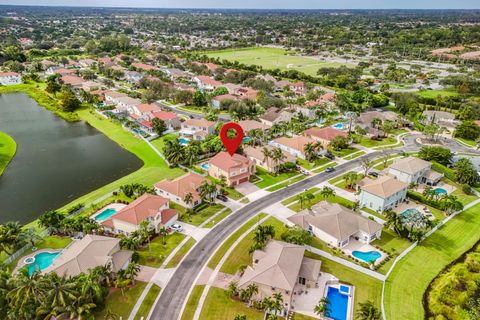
8 147
411 276
274 58
432 94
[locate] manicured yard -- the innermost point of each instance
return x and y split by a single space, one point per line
159 143
205 211
148 302
269 179
299 316
468 142
218 218
344 152
219 306
8 147
295 198
366 287
192 302
240 256
408 281
232 193
310 165
393 244
354 155
154 256
180 253
286 183
120 304
371 143
335 199
228 243
432 94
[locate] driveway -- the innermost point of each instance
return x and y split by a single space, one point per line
247 188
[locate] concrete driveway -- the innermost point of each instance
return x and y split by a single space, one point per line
246 188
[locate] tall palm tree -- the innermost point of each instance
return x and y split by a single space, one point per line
81 309
10 236
310 152
59 293
132 271
30 236
368 311
351 179
327 192
173 151
252 290
130 243
26 293
162 232
188 199
302 198
267 155
207 190
277 156
110 315
322 308
232 289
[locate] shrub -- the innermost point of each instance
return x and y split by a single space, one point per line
467 189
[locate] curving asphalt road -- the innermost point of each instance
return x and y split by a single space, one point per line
171 300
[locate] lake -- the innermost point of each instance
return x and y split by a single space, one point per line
56 161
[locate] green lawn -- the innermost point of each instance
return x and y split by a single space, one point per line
293 199
310 165
344 152
232 193
8 147
432 94
159 143
218 306
180 253
215 259
408 281
366 287
218 218
468 142
354 155
286 183
299 316
148 302
269 179
393 244
156 254
371 143
205 211
120 304
273 58
192 302
335 199
240 256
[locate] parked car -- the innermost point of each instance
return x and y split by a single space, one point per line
373 174
221 197
330 169
329 156
176 227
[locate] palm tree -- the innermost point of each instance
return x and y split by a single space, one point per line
80 309
110 315
162 232
393 221
309 197
132 271
302 198
327 192
240 317
26 292
451 204
30 236
351 179
266 155
130 243
207 190
232 289
10 236
252 290
188 199
190 156
322 308
368 311
59 293
173 151
310 152
145 231
277 156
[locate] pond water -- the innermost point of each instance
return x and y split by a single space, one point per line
56 161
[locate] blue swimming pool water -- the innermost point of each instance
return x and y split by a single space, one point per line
245 139
42 261
367 256
344 289
183 141
205 166
105 214
440 191
338 304
339 126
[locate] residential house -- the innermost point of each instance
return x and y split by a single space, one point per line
197 129
175 190
126 103
86 63
299 87
172 121
366 120
111 97
236 169
90 252
324 135
257 156
10 78
133 76
275 115
106 61
91 86
60 71
337 225
175 74
217 101
148 207
206 83
442 118
72 81
294 146
141 110
414 170
280 268
382 194
249 125
280 85
144 67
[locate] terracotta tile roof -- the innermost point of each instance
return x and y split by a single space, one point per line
144 66
168 214
225 162
180 186
142 208
249 125
257 153
199 123
326 133
144 107
72 80
8 74
164 115
209 81
297 143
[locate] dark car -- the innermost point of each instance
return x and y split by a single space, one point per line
373 174
331 169
222 198
329 156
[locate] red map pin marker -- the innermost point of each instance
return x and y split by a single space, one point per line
231 144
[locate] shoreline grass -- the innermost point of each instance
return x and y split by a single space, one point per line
8 149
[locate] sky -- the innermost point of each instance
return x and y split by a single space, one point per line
261 4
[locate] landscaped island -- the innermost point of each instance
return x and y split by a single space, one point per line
8 147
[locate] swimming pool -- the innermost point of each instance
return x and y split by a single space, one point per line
412 217
42 261
440 191
338 304
245 139
368 257
205 166
183 141
105 214
339 126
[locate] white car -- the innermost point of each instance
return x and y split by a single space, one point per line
176 227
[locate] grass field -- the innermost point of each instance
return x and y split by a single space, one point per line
120 304
8 147
154 254
273 58
269 179
147 302
180 253
435 93
408 281
192 302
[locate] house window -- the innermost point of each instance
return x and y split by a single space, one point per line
242 170
301 280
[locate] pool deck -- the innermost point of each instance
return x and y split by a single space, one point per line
449 188
116 206
305 303
413 205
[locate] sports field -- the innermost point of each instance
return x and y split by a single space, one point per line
272 58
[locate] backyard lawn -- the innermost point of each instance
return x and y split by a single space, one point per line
159 143
120 304
409 280
269 179
192 302
218 306
393 244
147 303
154 254
8 147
